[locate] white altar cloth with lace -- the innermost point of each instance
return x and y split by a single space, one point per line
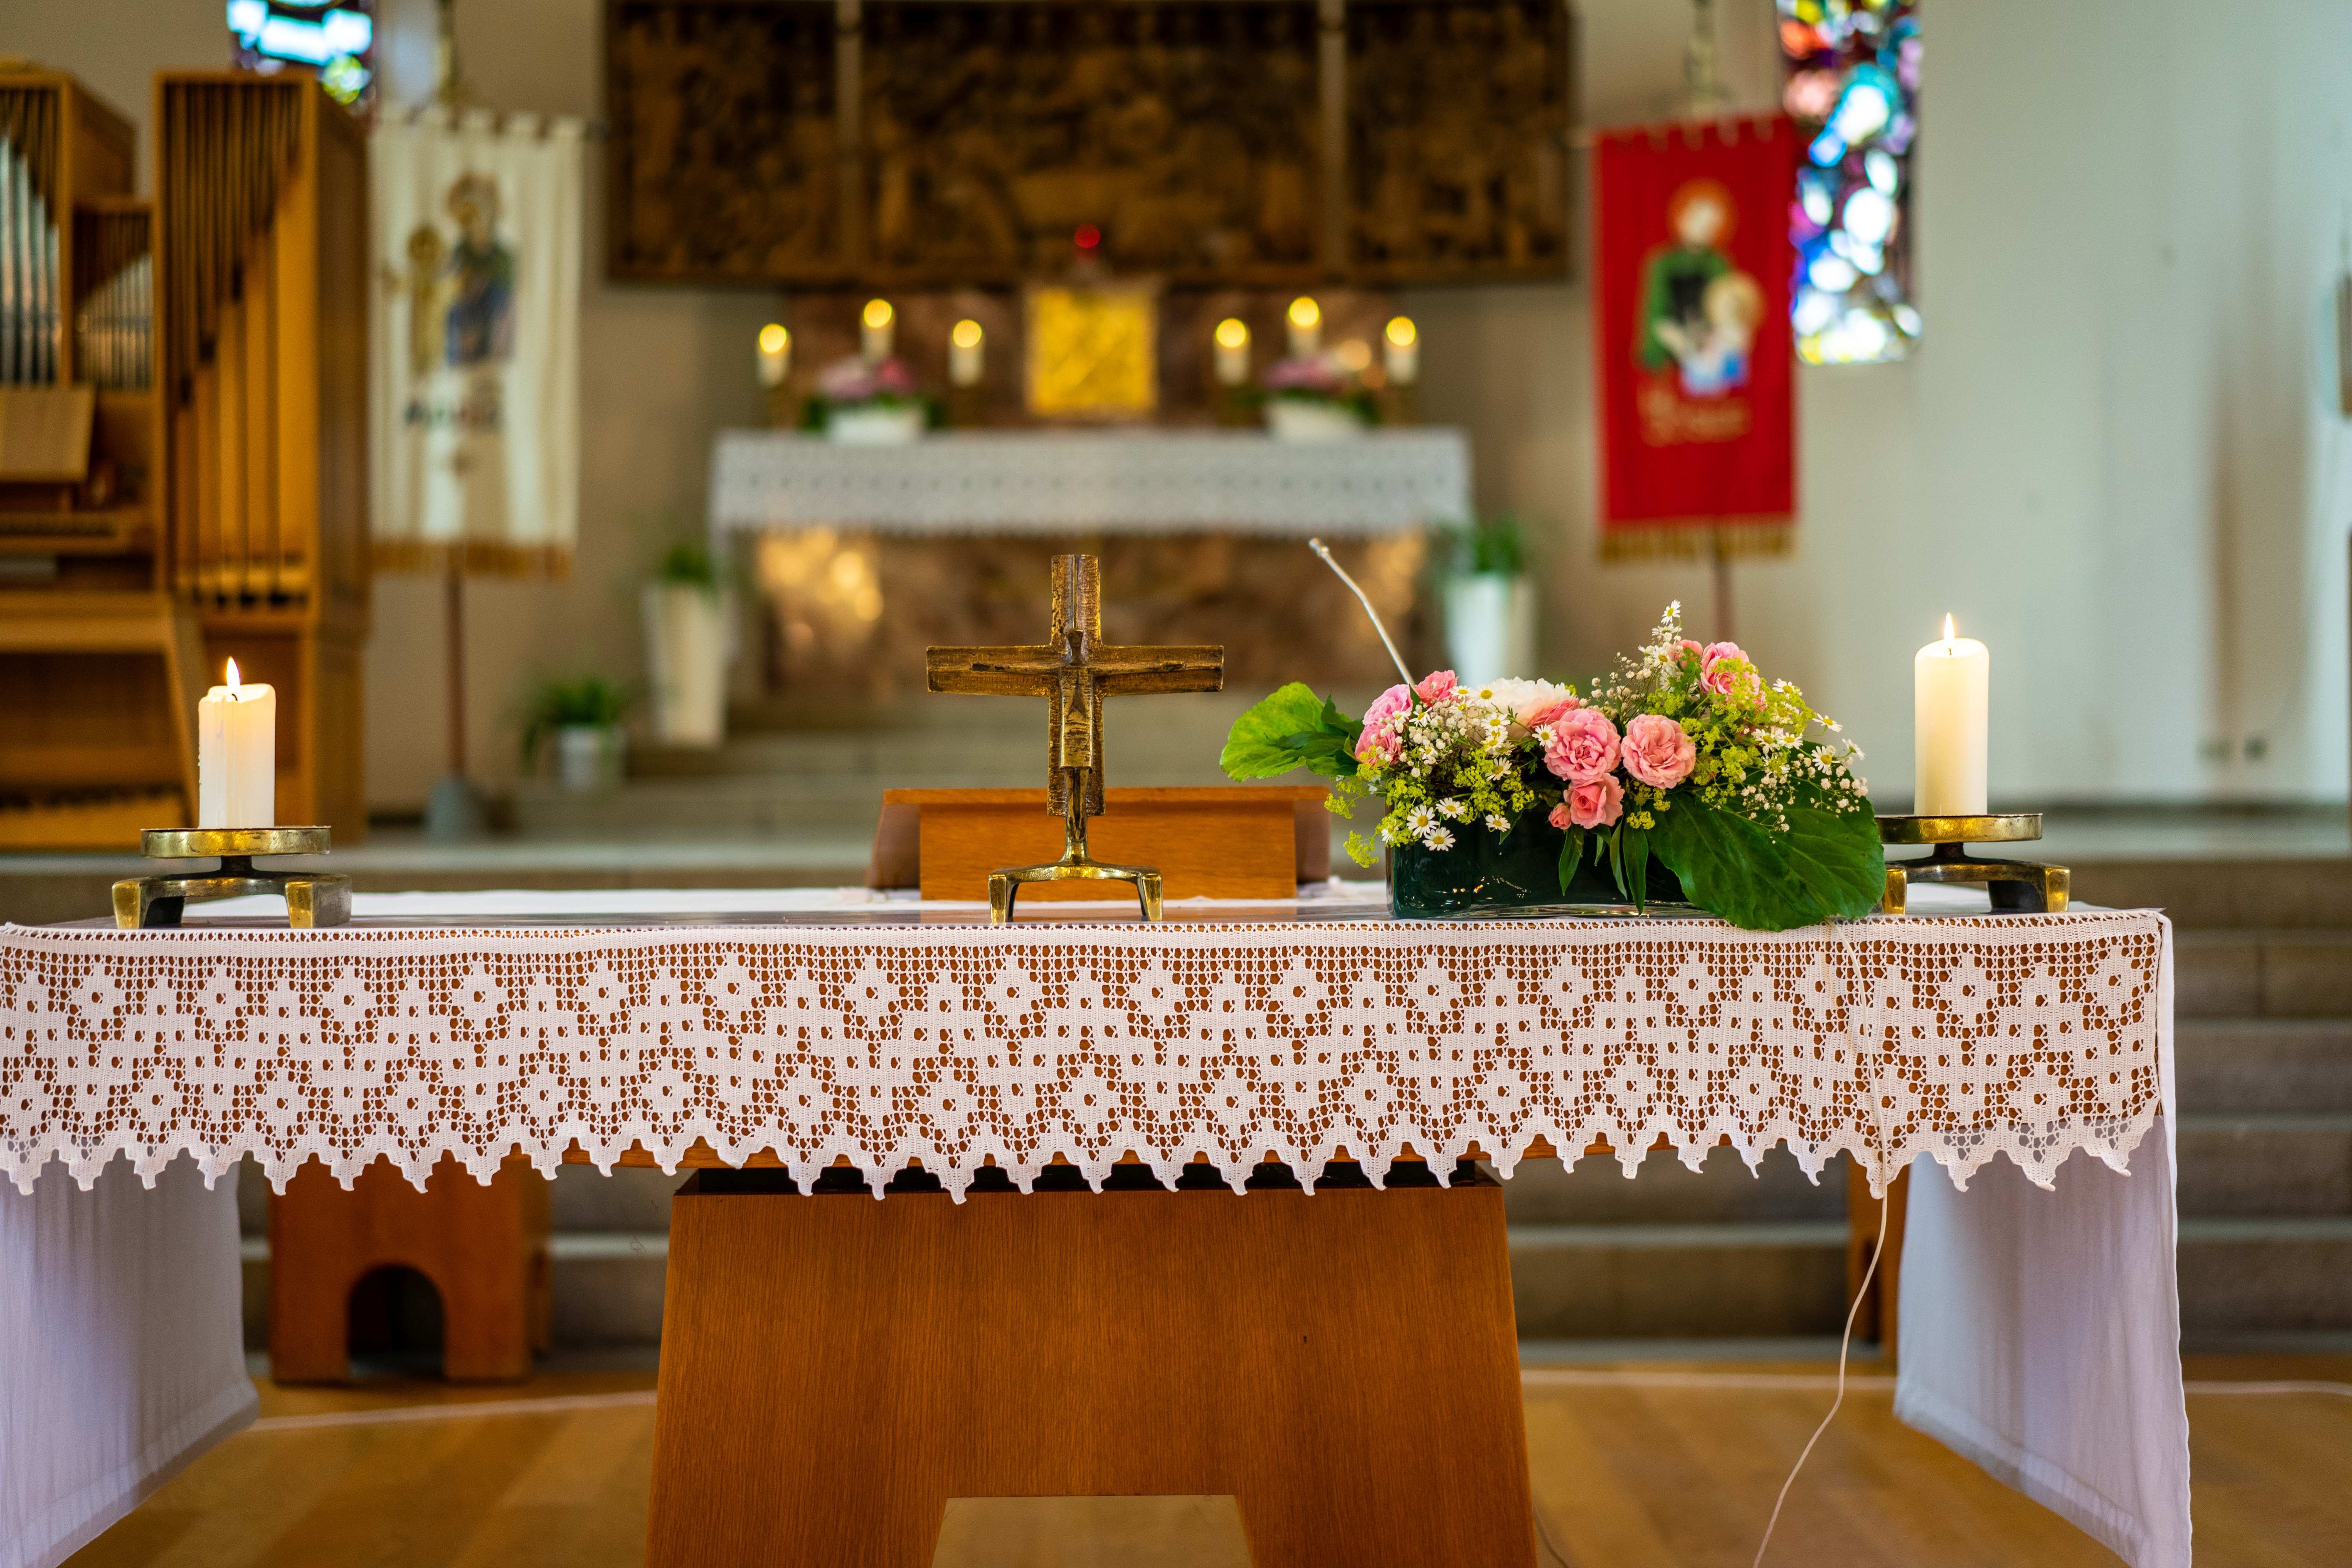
1092 482
884 1040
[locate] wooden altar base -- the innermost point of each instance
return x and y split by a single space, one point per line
833 1369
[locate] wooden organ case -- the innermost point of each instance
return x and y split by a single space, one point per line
102 662
261 270
183 451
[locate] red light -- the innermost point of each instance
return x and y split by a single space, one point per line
1087 237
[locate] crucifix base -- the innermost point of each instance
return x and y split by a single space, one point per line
1075 864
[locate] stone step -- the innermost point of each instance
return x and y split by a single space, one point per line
2278 973
2266 1166
1678 1281
2285 1066
1667 1192
2199 893
2241 1276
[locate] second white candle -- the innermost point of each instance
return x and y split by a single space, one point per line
1951 693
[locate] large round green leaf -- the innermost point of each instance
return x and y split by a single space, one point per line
1829 864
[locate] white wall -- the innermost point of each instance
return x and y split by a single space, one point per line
2116 457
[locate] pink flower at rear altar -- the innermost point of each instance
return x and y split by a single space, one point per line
1657 751
1436 687
1583 747
1597 803
1381 741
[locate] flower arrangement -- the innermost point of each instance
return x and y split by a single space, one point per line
1683 761
860 383
1322 380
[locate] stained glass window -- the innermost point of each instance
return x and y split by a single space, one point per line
334 37
1852 87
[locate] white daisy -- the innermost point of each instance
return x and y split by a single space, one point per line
1439 838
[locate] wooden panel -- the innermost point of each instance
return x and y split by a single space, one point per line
484 1248
1238 841
724 154
1246 142
1185 132
1445 185
1344 1364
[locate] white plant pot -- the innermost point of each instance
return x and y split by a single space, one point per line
587 757
686 653
1297 419
1490 626
878 426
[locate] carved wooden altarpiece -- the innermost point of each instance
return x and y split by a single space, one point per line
1266 143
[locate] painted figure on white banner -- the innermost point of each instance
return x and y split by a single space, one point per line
478 399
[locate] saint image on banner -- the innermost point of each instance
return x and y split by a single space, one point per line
1693 343
476 404
1699 315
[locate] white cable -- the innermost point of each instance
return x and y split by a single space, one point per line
1402 673
1868 1273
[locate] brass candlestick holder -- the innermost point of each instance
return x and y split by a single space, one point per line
2026 885
313 897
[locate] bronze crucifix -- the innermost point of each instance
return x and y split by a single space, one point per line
1074 672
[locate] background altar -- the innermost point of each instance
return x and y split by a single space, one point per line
861 556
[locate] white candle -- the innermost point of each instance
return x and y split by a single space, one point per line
879 329
775 355
1306 327
1951 681
966 347
237 755
1403 351
1233 352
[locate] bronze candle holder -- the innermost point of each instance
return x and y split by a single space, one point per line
2025 885
313 897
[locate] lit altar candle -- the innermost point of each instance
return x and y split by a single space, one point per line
775 355
1951 681
1305 326
879 331
237 755
1233 352
1403 354
966 345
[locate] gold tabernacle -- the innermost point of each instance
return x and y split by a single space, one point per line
2014 884
313 897
1074 672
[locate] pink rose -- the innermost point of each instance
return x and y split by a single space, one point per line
1436 688
1552 714
1595 804
1712 673
1380 740
1687 646
1583 746
1657 752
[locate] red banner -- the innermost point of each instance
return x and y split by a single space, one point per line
1696 380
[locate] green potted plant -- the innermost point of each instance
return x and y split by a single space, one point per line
583 715
686 646
1490 600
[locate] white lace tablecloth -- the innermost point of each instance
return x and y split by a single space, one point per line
1066 481
2048 1350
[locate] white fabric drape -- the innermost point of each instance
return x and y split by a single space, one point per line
121 1349
2041 1335
475 320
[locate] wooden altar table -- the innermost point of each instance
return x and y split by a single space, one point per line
838 1363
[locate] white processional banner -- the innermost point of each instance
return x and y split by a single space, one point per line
474 316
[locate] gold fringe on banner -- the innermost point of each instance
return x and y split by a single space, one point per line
1697 539
473 557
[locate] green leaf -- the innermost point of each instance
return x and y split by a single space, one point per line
1636 885
1828 865
1571 855
1291 729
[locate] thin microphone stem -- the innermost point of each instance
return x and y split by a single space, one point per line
1403 674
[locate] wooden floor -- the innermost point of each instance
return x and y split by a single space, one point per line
1634 1464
